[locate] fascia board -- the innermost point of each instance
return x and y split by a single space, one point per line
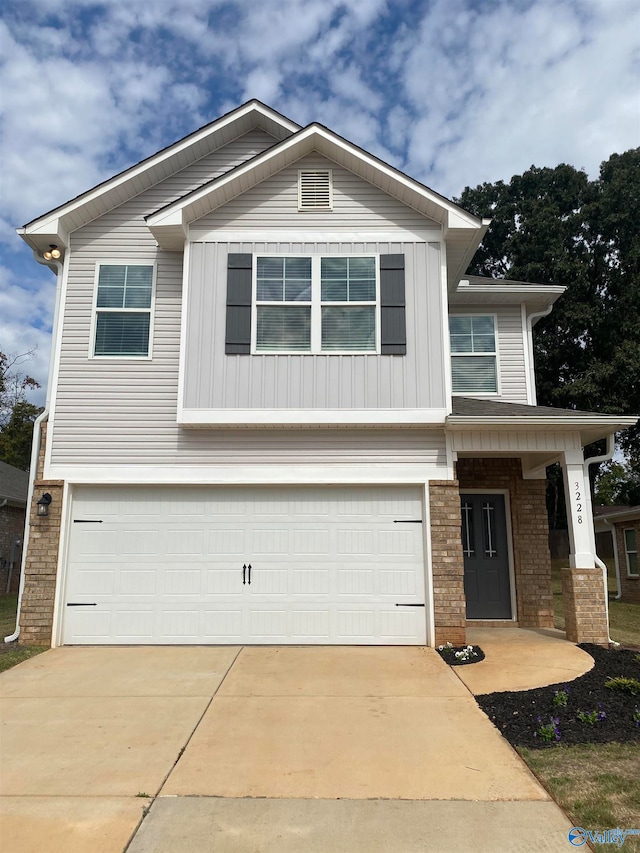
534 296
45 222
612 423
312 417
312 137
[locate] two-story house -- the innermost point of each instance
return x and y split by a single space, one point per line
279 412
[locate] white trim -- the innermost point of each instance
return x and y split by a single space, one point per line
113 262
444 319
62 284
184 313
293 417
510 550
61 573
312 235
400 473
527 351
428 565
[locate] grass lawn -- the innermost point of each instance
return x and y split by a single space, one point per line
598 785
11 653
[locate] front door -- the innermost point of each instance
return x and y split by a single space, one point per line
486 557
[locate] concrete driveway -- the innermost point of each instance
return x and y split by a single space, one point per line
258 749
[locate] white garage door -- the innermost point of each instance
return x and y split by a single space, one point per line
245 565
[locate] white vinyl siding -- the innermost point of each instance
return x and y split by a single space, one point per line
474 368
123 310
315 304
631 551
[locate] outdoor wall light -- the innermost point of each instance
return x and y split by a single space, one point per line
43 504
53 252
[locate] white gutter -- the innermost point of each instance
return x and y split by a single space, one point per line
592 460
35 443
536 315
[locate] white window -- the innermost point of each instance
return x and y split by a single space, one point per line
474 354
316 304
123 302
631 549
315 189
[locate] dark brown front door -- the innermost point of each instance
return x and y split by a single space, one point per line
486 557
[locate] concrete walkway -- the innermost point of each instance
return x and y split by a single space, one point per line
258 749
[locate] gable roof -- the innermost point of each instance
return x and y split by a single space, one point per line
461 229
14 485
56 225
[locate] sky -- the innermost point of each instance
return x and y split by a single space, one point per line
452 92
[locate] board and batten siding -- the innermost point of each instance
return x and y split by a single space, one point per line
357 205
214 380
511 358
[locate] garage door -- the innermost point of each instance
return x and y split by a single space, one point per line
245 565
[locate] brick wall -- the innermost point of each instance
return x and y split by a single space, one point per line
530 532
584 606
630 586
447 562
12 519
36 612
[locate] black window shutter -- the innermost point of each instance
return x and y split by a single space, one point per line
392 306
238 336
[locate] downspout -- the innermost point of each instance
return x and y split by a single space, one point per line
35 443
536 315
592 460
616 560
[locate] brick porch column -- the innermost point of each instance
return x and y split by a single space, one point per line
447 562
584 606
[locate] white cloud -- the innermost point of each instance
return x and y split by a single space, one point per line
454 92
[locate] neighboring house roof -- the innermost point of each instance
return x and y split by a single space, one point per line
617 513
607 510
473 412
14 485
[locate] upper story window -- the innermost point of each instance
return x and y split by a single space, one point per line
631 549
315 189
474 356
123 310
316 304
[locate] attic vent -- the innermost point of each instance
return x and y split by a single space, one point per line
315 190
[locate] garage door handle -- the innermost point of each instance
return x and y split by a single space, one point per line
82 603
244 574
249 567
409 605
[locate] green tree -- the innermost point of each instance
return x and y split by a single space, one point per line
17 414
618 483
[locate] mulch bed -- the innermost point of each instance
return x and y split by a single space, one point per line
516 714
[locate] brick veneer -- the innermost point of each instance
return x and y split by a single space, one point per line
584 606
41 564
630 586
447 562
530 532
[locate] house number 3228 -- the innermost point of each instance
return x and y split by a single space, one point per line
578 497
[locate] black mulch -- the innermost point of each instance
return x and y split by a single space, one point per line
516 713
448 655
